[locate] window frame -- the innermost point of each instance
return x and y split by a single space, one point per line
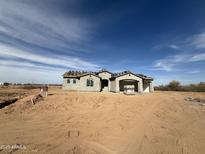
90 82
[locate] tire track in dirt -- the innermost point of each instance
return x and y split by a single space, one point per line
135 145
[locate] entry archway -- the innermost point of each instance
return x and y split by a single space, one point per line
104 84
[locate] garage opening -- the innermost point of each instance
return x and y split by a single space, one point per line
104 85
123 83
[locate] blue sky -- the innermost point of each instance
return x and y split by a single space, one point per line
40 40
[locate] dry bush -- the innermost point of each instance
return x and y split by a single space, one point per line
176 86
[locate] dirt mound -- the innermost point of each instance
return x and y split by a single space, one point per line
21 105
105 123
29 102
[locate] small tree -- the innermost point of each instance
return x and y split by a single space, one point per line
174 86
201 87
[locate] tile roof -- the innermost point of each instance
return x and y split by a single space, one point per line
114 75
78 73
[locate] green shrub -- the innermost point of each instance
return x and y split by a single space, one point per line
174 86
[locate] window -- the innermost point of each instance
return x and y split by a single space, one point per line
68 80
74 81
90 83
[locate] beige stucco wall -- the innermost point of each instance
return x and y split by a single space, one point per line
96 86
131 77
146 87
107 76
71 86
113 86
81 84
104 75
151 87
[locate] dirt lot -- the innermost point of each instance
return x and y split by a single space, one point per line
103 123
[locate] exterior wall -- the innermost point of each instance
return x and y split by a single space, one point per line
71 86
146 87
96 86
106 75
81 84
151 87
131 77
113 85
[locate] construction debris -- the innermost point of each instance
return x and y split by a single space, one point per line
129 89
198 100
37 99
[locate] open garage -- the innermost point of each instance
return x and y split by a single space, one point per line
125 82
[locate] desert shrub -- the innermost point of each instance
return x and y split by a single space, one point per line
161 87
6 84
176 86
31 86
201 87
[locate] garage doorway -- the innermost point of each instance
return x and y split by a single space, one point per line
122 83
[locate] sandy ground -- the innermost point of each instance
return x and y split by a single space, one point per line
104 123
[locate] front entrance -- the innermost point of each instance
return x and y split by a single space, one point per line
123 83
104 85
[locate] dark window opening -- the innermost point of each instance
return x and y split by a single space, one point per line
74 81
90 83
68 80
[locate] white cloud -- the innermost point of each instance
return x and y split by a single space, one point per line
194 72
197 57
27 71
199 40
194 41
39 24
28 65
64 61
171 62
28 75
163 65
173 46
